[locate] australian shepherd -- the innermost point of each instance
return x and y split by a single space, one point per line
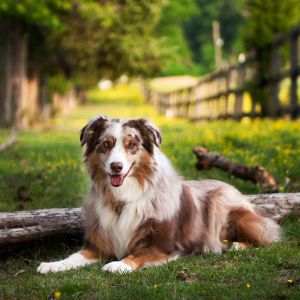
141 213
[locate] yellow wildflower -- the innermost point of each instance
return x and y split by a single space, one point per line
57 294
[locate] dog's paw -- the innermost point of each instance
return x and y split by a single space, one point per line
236 246
51 267
117 267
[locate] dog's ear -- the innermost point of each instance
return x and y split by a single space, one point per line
83 135
153 131
150 133
97 123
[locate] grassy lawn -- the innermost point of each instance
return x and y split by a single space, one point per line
44 169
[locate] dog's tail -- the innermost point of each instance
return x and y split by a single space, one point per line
250 227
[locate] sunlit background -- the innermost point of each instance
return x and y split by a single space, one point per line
221 74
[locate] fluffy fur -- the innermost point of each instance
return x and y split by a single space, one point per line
142 213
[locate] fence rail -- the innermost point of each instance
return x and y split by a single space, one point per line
227 93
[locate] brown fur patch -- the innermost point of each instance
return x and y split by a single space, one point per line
131 144
90 135
96 168
144 168
147 257
95 242
153 233
89 254
210 210
148 134
187 234
105 144
177 234
246 226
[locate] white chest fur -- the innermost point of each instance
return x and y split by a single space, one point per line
119 228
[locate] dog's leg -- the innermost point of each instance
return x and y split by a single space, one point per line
148 258
76 260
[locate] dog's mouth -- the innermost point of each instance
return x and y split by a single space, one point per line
117 180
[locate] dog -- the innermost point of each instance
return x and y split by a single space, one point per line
142 213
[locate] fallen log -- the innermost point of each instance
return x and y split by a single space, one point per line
16 227
22 226
257 174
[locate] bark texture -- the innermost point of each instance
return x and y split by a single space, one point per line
13 53
23 226
258 174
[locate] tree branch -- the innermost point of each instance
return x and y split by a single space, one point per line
258 174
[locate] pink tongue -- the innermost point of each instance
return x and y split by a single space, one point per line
116 180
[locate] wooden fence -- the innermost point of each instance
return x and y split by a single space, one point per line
227 93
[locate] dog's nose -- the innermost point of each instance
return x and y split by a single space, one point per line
116 167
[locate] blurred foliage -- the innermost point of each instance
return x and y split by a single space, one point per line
198 31
35 12
186 28
178 57
266 18
87 39
60 84
90 39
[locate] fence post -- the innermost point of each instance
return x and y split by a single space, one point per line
294 73
273 104
239 95
188 102
228 77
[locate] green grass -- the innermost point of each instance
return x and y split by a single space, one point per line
47 164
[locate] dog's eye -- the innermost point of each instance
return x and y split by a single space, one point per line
105 145
131 145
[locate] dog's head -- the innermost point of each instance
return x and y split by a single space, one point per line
119 148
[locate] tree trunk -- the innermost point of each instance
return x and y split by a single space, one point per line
16 227
13 56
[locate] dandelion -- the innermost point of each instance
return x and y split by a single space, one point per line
248 285
57 294
155 286
290 282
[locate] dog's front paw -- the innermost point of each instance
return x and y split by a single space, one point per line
51 267
117 267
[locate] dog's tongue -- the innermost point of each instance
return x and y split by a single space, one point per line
116 180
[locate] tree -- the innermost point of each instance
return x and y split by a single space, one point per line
265 19
79 41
